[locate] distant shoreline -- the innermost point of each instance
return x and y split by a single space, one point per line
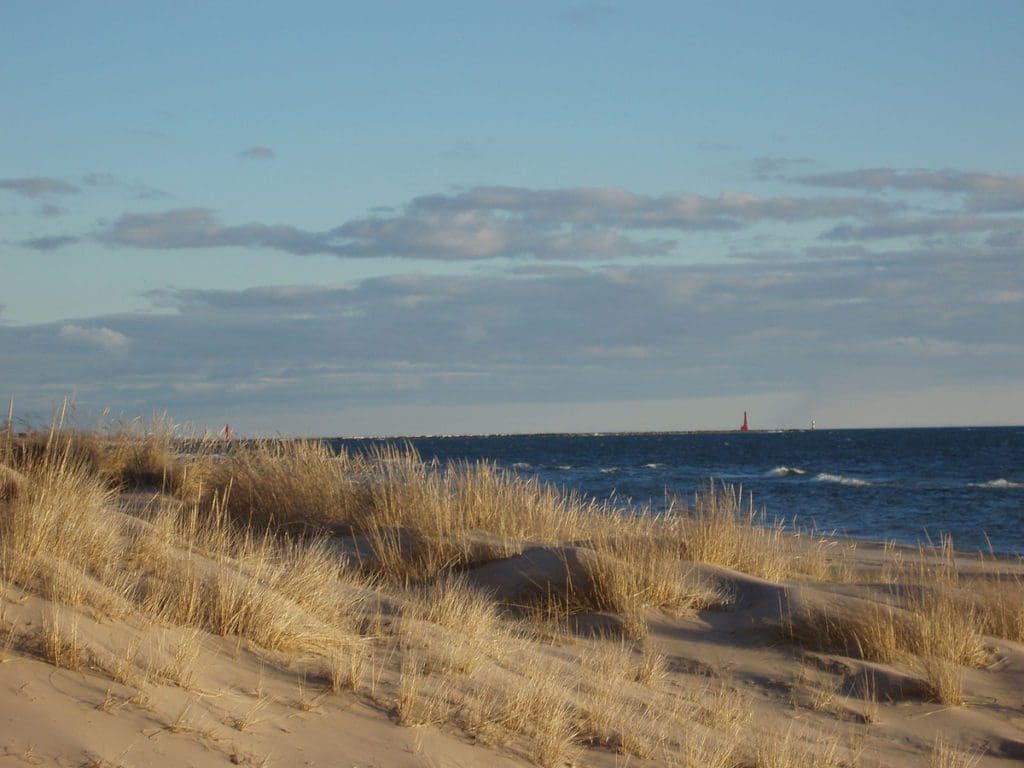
631 433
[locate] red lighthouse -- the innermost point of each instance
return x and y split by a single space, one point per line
744 428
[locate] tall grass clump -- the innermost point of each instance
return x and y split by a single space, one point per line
295 485
59 515
418 518
205 570
947 755
788 750
123 454
945 625
639 566
999 600
474 506
64 537
929 627
11 483
1000 608
138 454
925 622
721 529
462 629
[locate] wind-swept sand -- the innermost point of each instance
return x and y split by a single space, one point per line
161 627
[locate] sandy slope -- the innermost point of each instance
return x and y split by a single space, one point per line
241 707
235 703
794 688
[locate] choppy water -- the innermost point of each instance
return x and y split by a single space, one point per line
900 484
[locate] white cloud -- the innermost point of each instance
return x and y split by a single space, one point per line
99 337
899 318
984 190
487 222
822 319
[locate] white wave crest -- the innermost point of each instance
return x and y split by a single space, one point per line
1002 482
825 477
522 465
654 465
609 470
565 467
786 471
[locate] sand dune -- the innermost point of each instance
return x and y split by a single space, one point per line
477 619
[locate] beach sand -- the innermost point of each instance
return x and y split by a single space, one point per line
516 659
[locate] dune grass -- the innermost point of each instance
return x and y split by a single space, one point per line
927 621
355 566
724 529
947 755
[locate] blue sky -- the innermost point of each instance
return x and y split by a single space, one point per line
468 217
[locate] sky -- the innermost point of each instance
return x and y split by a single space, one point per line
475 217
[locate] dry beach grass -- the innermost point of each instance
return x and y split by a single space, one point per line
261 605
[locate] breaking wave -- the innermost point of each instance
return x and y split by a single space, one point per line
785 472
825 477
1002 482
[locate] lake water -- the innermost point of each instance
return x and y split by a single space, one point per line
900 484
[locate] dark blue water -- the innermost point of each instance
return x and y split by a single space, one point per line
902 484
